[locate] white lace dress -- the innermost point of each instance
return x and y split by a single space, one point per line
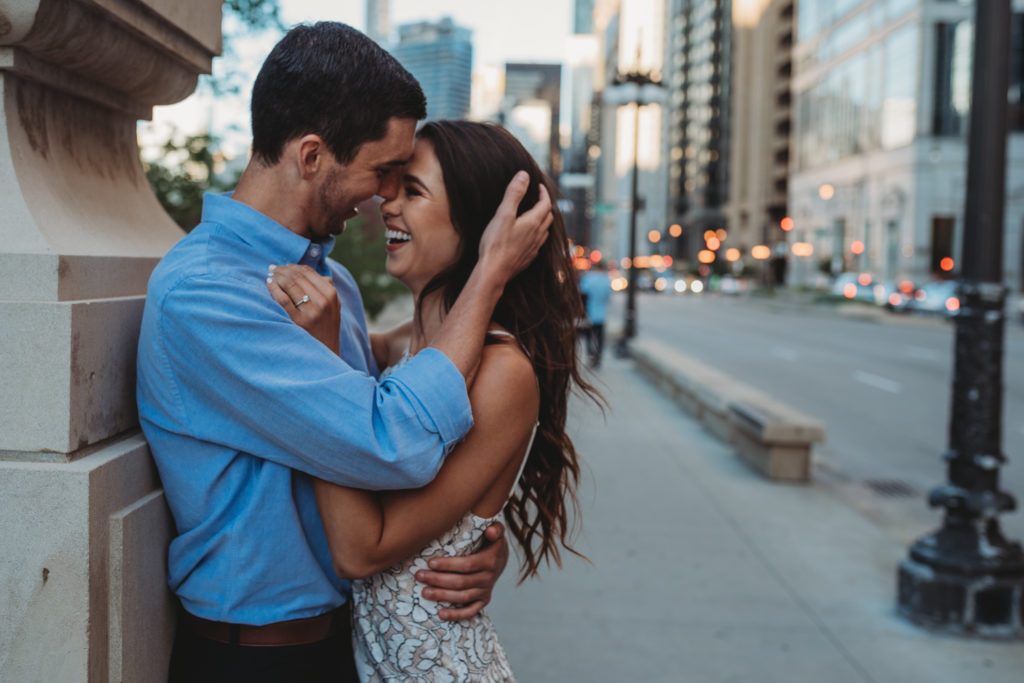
396 633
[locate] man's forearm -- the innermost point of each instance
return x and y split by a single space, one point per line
461 336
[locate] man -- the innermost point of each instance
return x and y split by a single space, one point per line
241 406
596 287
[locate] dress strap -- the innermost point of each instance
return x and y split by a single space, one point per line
501 333
522 464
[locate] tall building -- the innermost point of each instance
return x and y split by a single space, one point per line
700 85
882 92
378 20
533 94
577 179
762 65
631 37
440 55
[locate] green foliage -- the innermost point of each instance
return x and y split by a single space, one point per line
256 14
183 174
361 249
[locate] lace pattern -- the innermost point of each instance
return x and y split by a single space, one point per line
397 634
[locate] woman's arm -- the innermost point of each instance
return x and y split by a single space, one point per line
369 532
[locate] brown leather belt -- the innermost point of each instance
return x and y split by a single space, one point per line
279 634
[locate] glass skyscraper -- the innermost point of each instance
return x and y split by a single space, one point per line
440 55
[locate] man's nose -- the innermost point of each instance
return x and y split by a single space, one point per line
389 186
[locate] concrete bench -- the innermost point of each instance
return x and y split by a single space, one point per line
775 439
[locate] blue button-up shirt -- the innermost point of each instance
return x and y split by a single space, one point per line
240 406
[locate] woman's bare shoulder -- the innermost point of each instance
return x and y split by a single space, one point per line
505 378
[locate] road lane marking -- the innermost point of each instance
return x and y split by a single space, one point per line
877 382
785 354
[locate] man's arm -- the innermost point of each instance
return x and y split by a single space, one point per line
237 372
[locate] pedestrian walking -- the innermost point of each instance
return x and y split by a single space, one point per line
596 287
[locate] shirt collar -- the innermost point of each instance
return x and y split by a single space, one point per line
268 237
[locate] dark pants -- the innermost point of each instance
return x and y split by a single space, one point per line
198 660
596 343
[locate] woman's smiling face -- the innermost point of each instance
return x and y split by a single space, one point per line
421 240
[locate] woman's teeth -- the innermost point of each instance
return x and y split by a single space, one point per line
396 236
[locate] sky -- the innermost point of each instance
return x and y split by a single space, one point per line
523 30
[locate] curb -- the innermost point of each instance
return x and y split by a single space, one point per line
772 437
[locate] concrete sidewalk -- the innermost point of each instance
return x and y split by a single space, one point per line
702 571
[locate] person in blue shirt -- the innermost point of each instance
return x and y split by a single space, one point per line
596 287
242 408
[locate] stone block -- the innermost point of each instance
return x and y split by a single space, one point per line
142 609
60 408
55 531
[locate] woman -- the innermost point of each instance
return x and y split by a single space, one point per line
452 186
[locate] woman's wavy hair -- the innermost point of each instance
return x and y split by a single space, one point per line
540 307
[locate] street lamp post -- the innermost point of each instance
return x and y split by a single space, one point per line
640 79
966 577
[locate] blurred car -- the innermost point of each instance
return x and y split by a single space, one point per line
731 285
936 298
894 296
687 284
854 286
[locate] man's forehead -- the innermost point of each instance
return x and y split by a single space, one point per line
395 148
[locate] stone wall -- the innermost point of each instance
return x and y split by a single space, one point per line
83 524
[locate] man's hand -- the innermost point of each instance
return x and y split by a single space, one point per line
310 300
511 243
467 581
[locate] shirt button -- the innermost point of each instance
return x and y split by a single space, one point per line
314 251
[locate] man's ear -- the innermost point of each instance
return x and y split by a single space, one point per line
311 155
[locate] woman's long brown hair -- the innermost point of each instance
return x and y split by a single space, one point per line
540 307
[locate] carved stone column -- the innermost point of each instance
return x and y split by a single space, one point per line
83 525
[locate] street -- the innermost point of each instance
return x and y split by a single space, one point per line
881 385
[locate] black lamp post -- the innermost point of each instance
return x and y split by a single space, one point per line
640 78
966 577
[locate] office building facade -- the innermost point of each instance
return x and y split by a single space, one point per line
699 78
878 168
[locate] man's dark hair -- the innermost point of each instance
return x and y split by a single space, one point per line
331 80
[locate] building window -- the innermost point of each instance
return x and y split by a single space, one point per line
899 104
953 45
